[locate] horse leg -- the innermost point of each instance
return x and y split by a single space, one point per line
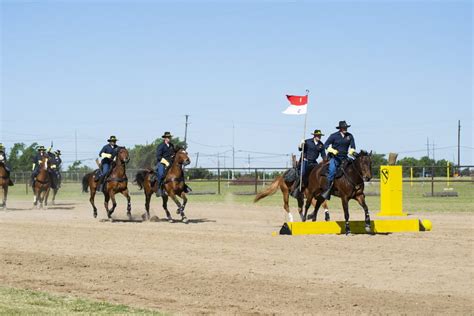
309 200
319 201
327 218
114 203
91 200
300 206
165 207
146 216
178 204
286 204
106 203
5 194
361 200
345 206
185 201
46 196
129 204
53 200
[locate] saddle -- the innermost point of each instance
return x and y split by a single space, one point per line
340 171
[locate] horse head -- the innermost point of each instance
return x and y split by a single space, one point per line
122 154
181 156
364 164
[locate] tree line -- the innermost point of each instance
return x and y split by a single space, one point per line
21 157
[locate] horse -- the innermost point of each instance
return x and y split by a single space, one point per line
285 187
349 186
42 184
115 182
5 181
173 185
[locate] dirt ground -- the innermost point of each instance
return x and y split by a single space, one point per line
226 261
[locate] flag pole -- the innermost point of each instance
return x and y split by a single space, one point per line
302 148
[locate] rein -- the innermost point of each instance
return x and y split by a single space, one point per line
355 185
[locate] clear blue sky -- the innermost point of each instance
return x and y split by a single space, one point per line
399 72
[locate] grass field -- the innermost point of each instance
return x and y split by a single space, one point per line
27 302
413 199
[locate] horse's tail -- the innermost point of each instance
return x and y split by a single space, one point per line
140 178
85 182
270 190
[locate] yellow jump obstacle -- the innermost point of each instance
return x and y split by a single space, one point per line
391 204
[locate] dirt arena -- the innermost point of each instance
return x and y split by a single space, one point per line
226 261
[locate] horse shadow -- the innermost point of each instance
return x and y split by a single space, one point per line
155 219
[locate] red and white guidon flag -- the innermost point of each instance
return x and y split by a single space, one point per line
298 105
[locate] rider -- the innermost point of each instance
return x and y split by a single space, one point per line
107 154
164 157
339 145
313 147
3 158
55 167
37 161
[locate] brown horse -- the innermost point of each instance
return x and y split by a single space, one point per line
349 186
174 186
285 187
42 184
5 181
115 182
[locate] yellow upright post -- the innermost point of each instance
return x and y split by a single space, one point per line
447 172
411 176
391 191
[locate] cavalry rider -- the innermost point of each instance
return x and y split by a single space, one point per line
313 148
37 161
55 167
107 154
164 157
3 159
339 145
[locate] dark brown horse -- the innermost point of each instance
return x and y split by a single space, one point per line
349 186
285 187
174 186
116 182
42 183
5 181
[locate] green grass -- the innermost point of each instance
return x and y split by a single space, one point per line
27 302
413 199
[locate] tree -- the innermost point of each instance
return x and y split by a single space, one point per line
144 156
78 167
21 156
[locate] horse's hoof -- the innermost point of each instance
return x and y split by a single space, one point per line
170 220
185 220
327 218
367 229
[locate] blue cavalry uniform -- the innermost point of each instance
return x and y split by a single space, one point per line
339 145
4 160
313 148
164 158
37 161
55 168
107 154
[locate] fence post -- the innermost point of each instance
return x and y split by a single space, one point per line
432 180
256 180
219 180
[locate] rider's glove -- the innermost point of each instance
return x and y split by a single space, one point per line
352 152
33 168
333 151
53 166
165 162
105 155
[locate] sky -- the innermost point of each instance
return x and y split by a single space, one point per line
398 71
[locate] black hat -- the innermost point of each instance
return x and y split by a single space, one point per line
342 124
112 139
167 135
41 148
317 132
58 152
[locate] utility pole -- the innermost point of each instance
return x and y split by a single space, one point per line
428 147
459 147
186 131
249 162
75 142
233 150
197 158
434 159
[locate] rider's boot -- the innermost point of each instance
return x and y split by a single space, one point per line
327 193
159 192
